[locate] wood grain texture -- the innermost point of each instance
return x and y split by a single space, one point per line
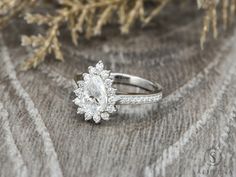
41 135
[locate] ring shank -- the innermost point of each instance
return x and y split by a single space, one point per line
126 79
154 90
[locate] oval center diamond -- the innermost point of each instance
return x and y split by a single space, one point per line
95 96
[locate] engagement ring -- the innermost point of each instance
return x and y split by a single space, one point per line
97 96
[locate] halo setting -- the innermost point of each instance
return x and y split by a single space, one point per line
95 96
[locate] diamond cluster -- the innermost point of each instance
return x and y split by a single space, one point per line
95 96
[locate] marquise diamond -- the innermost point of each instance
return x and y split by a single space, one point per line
93 94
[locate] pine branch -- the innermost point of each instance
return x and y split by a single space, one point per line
81 18
210 18
11 8
88 17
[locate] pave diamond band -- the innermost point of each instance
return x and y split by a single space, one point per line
99 91
129 99
153 90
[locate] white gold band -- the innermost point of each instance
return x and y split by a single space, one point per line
153 95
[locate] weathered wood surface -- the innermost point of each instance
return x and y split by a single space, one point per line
41 135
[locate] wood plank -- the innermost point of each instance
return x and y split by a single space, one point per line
41 135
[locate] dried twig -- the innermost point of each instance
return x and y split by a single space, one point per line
88 17
211 16
10 8
81 18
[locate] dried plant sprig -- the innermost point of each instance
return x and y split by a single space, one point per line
10 8
232 10
210 18
86 18
43 46
50 42
132 15
156 11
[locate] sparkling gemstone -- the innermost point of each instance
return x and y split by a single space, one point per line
95 96
105 116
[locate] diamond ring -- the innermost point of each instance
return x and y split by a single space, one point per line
97 96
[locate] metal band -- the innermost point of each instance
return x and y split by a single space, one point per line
154 90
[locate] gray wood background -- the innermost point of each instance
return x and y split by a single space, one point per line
191 132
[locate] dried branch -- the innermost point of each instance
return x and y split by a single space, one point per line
211 16
88 17
10 8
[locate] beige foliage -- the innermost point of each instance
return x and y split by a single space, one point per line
88 17
210 18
